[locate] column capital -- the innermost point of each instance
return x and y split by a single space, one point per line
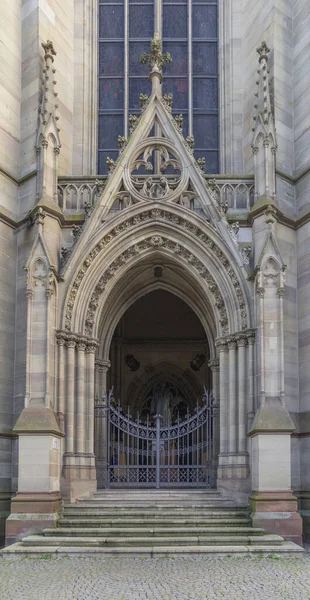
92 345
214 364
71 341
221 345
232 343
251 337
241 340
102 365
81 345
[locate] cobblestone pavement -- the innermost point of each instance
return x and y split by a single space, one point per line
122 578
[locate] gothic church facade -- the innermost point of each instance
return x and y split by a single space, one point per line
155 239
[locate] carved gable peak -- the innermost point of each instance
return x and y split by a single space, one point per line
270 251
39 267
156 164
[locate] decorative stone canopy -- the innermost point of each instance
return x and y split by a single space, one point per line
160 186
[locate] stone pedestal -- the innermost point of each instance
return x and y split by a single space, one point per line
79 476
303 498
273 504
38 500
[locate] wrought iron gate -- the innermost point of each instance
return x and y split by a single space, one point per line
130 453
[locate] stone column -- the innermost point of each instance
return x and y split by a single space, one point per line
232 401
90 398
250 407
80 434
61 381
233 472
242 429
223 390
29 295
102 429
69 412
214 365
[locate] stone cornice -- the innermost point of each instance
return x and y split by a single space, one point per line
293 222
51 210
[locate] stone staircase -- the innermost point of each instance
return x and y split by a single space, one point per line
152 522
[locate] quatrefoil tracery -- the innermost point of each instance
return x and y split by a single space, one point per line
155 171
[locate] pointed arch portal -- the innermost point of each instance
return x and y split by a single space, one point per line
168 234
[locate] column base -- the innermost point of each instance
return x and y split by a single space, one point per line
5 502
79 476
277 513
233 476
303 497
30 513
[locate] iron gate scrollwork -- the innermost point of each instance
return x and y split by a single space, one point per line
131 453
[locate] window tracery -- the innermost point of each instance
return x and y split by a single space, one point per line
189 30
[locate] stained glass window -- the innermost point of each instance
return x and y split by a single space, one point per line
189 30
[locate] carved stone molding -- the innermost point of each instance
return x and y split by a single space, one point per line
74 340
251 337
214 364
241 340
221 345
81 345
102 365
137 249
165 216
232 343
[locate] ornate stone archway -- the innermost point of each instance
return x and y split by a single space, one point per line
110 275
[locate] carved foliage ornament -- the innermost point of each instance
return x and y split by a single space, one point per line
156 59
137 249
164 216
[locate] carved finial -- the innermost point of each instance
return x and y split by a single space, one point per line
264 143
49 50
156 60
48 130
262 105
263 51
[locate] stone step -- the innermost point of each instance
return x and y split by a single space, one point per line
155 497
154 532
212 512
40 540
150 551
133 506
125 523
167 490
